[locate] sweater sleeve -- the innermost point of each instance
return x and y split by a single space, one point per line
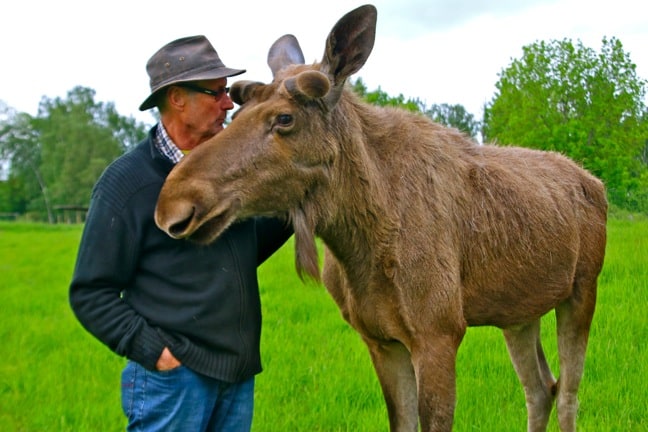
106 261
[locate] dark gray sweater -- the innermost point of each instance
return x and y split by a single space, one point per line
137 290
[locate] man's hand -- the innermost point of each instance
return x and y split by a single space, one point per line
167 361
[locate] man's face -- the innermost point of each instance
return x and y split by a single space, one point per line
207 107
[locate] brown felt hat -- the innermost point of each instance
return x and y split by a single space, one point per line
187 59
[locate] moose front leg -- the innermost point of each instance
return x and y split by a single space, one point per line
434 362
393 365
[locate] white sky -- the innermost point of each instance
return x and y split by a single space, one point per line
441 51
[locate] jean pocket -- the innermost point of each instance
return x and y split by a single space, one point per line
169 372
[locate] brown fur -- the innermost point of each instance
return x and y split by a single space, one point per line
426 232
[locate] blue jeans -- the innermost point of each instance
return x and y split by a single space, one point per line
183 400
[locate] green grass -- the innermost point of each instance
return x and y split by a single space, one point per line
318 375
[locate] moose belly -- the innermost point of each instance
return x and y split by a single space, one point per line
506 299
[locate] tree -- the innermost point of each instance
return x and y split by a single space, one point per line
565 97
58 155
20 147
454 116
380 98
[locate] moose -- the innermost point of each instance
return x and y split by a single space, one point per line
425 231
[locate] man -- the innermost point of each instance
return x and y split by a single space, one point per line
187 317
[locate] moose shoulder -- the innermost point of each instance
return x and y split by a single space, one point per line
426 232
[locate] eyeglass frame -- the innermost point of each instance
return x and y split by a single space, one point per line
216 94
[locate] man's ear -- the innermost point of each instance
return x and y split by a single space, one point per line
175 98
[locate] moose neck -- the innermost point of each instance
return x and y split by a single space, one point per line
355 204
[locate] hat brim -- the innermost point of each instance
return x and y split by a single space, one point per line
222 72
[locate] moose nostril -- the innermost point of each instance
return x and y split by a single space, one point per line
179 228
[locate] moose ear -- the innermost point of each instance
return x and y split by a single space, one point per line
285 51
349 44
242 91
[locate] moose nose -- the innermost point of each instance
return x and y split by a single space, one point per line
175 220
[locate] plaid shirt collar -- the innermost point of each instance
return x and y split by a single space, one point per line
166 146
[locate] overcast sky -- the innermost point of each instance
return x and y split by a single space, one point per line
440 51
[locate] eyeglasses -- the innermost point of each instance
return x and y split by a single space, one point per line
217 94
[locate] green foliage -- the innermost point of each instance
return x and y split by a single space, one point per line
380 98
455 116
565 97
56 157
317 372
19 145
11 200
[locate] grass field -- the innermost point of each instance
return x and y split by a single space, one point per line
318 376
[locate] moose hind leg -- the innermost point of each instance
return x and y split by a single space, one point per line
393 365
573 318
529 361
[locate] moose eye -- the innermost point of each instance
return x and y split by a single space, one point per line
284 120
